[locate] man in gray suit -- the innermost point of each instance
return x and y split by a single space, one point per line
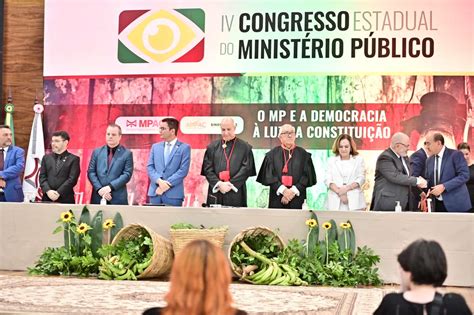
393 177
110 169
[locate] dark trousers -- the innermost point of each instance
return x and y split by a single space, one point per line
439 206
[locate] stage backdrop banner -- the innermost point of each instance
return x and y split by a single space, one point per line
326 68
145 37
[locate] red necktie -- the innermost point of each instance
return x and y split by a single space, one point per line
2 161
111 156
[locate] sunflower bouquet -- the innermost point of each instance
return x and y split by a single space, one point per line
82 239
334 259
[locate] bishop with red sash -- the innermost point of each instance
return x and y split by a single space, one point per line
288 170
227 164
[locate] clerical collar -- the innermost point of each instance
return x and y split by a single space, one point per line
289 149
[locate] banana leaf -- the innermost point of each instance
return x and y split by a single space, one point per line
313 236
352 238
85 216
332 232
343 239
324 248
118 226
96 232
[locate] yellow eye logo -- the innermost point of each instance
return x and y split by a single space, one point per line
9 108
161 36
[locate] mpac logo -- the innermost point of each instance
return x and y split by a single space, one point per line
161 36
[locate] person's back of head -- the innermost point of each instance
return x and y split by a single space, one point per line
200 281
426 262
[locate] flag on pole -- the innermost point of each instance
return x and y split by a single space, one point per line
9 108
31 187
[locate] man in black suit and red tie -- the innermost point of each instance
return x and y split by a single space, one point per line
60 171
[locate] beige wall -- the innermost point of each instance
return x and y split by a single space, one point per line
23 62
25 230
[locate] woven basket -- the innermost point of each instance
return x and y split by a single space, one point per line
162 258
181 237
249 232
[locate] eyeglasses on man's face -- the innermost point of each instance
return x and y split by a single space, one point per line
403 144
288 133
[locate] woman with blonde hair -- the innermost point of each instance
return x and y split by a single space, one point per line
345 176
200 281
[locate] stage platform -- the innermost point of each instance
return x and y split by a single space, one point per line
26 229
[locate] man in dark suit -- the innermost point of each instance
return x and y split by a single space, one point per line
168 165
417 163
110 169
393 177
59 171
12 162
447 173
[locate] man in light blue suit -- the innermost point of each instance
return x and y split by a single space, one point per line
447 173
168 165
12 163
110 169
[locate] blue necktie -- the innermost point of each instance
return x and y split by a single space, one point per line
167 152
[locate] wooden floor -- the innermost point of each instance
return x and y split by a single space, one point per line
367 302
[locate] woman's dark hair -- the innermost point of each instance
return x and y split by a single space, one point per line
426 261
464 145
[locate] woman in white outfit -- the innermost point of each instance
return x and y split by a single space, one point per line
345 176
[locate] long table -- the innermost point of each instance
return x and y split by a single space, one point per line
26 229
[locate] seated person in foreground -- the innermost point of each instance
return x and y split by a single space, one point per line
423 268
200 282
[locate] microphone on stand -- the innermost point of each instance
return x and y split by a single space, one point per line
214 205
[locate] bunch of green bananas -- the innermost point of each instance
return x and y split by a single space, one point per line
276 274
111 268
271 272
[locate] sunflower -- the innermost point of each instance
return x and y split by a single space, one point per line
327 225
311 223
83 228
345 225
108 224
66 216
